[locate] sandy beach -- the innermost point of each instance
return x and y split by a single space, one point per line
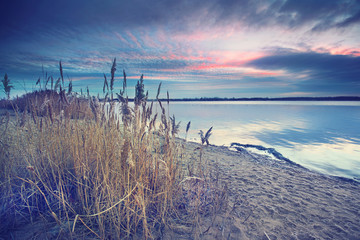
270 199
267 199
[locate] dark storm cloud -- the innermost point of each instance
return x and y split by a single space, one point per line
322 72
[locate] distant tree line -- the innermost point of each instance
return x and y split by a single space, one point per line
218 99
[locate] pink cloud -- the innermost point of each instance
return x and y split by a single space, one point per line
346 51
148 41
163 39
121 38
134 39
173 56
297 94
205 66
263 74
236 58
339 51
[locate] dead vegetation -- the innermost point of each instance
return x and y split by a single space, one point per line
101 169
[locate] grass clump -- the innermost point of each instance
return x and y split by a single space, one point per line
97 169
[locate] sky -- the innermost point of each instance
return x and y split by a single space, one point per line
196 48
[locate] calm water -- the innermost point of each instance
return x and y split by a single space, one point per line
322 136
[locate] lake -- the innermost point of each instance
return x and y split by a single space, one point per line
319 135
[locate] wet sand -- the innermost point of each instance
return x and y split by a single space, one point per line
271 199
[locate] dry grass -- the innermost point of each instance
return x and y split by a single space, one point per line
101 170
39 102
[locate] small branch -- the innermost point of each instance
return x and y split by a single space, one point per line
267 236
248 216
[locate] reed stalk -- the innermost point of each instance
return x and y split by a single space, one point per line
105 170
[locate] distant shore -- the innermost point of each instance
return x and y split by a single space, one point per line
338 98
215 99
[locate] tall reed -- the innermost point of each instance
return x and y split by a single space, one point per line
97 169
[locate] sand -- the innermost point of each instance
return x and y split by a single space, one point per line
271 199
267 199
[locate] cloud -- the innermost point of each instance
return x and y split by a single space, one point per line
315 15
216 40
321 12
178 15
353 19
314 71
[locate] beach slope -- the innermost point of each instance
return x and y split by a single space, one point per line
271 199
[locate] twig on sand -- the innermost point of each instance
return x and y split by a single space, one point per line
267 236
248 216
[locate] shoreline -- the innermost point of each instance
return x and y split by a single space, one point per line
281 200
237 147
266 199
280 157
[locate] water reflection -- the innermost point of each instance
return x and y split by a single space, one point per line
320 136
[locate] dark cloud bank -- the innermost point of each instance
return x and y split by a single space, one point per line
324 72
